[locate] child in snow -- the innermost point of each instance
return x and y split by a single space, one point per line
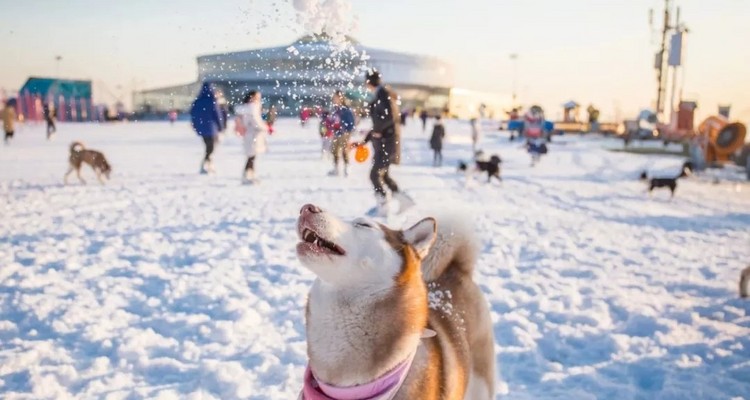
436 142
271 118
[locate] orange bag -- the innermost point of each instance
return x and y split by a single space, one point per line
361 153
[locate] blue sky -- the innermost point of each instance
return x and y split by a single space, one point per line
598 51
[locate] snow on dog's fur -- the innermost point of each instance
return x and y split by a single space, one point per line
374 298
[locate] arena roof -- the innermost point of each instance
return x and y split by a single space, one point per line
397 68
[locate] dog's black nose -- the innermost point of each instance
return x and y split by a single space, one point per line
311 208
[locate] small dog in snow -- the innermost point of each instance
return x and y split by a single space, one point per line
379 298
79 155
491 166
670 183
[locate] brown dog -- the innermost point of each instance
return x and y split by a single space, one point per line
79 155
744 279
394 314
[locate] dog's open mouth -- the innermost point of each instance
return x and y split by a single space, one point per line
309 236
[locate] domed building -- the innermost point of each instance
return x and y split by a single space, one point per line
305 73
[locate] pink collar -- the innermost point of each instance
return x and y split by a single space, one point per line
383 388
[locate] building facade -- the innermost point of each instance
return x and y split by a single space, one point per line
69 99
306 73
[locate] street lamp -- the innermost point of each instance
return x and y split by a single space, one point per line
514 59
57 66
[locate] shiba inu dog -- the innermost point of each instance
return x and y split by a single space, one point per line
394 314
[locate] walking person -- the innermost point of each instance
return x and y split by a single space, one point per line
252 128
9 117
475 134
206 119
304 115
343 125
172 115
436 142
385 137
423 116
271 118
49 117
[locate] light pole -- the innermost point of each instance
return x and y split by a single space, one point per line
57 65
514 59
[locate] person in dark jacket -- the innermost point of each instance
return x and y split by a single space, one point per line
207 122
49 117
385 137
9 117
436 142
423 116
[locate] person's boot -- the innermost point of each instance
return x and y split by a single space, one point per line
249 177
346 170
334 171
381 207
204 168
404 201
211 169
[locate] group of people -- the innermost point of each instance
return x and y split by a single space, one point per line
208 122
9 116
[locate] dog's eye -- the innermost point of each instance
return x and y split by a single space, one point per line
360 224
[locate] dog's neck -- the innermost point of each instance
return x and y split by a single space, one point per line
356 335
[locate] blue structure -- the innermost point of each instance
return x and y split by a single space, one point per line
71 98
69 89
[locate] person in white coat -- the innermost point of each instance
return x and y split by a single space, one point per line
252 128
476 134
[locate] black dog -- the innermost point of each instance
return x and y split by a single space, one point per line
671 183
491 167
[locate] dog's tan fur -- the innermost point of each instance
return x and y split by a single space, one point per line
458 363
744 280
79 155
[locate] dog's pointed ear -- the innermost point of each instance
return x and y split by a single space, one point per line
422 235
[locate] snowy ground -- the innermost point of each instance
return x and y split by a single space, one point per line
167 284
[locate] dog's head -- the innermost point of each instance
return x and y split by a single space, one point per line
359 252
495 159
106 169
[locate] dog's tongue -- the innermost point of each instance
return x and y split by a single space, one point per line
428 333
